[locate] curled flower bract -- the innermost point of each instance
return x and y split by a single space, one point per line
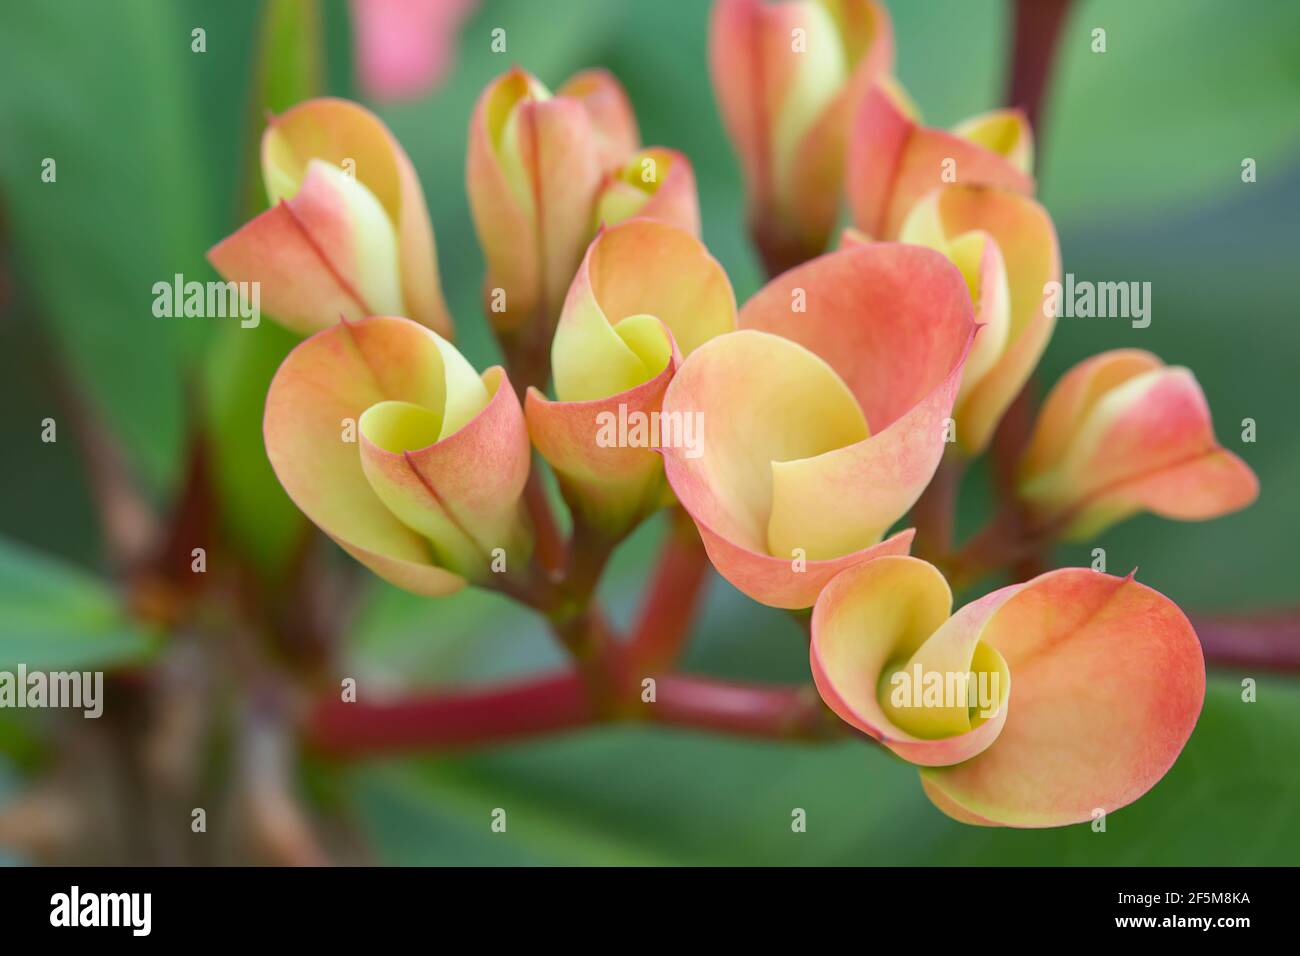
388 440
533 173
347 233
824 417
1037 705
788 77
1006 248
654 183
894 160
645 294
1120 433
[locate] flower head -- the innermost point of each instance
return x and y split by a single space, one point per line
824 416
645 294
1037 705
894 160
1006 248
534 170
654 183
1121 433
347 232
386 438
788 77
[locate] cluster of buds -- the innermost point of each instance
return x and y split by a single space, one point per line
544 171
795 431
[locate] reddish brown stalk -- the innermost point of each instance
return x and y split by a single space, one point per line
450 719
748 710
1003 543
934 514
128 525
549 549
779 251
664 622
1037 29
1267 641
461 719
587 636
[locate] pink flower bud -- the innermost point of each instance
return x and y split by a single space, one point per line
1121 433
347 233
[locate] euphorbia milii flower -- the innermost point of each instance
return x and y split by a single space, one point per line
1038 705
824 417
347 233
405 47
386 438
1121 433
533 172
788 77
613 122
893 160
655 183
1006 248
645 294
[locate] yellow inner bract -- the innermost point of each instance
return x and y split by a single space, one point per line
821 72
505 126
943 690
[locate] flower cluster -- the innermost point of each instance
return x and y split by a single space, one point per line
795 430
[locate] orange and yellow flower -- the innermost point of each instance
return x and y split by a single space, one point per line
1122 433
789 77
1006 248
1041 704
823 418
390 442
894 160
347 233
646 294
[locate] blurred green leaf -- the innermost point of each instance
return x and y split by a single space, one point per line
1185 91
951 55
94 87
402 641
263 524
636 795
55 617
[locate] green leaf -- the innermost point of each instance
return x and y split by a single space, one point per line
261 521
1185 91
94 88
54 617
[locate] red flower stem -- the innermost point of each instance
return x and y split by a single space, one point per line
1011 523
664 623
555 703
1266 641
934 514
549 550
747 710
1037 30
587 636
451 719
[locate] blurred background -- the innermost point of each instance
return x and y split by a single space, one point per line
1140 167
